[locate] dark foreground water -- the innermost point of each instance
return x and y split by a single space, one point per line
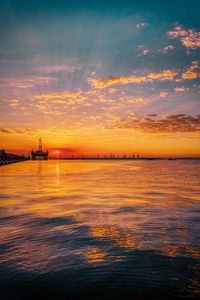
100 230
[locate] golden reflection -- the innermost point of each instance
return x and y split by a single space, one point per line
127 204
39 167
57 168
57 174
95 255
120 237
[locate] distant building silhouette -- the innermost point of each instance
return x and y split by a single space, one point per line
39 153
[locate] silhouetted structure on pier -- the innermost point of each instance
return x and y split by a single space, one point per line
9 158
39 153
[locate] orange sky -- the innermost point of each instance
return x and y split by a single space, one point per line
100 83
105 142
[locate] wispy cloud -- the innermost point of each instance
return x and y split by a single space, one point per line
151 77
189 38
141 25
48 69
111 97
166 49
14 103
63 97
25 81
18 130
144 53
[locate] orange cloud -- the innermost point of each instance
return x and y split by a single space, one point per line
64 97
180 89
163 75
14 103
138 101
163 94
191 72
111 99
154 124
156 76
189 38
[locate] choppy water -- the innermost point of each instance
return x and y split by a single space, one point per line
100 229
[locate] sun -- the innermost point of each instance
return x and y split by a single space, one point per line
57 151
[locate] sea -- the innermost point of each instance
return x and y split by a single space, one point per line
100 229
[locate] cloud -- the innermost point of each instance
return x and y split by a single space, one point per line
191 72
166 49
180 89
154 124
189 38
163 94
151 77
63 97
69 103
112 91
25 82
138 100
5 130
59 101
144 53
141 25
58 68
14 103
41 107
141 47
18 130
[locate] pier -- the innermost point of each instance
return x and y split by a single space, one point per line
9 158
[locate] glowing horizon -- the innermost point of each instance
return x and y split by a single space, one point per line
100 78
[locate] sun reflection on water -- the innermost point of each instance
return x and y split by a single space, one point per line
97 212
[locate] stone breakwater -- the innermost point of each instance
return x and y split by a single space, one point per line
12 161
9 158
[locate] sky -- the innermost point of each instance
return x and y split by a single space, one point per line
100 77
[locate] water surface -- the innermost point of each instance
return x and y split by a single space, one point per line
100 229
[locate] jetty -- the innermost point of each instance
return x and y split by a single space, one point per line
9 158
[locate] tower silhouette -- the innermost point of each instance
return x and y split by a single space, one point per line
39 153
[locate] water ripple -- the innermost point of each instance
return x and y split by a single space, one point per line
114 229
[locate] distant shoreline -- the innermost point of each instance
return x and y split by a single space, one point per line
127 158
5 163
